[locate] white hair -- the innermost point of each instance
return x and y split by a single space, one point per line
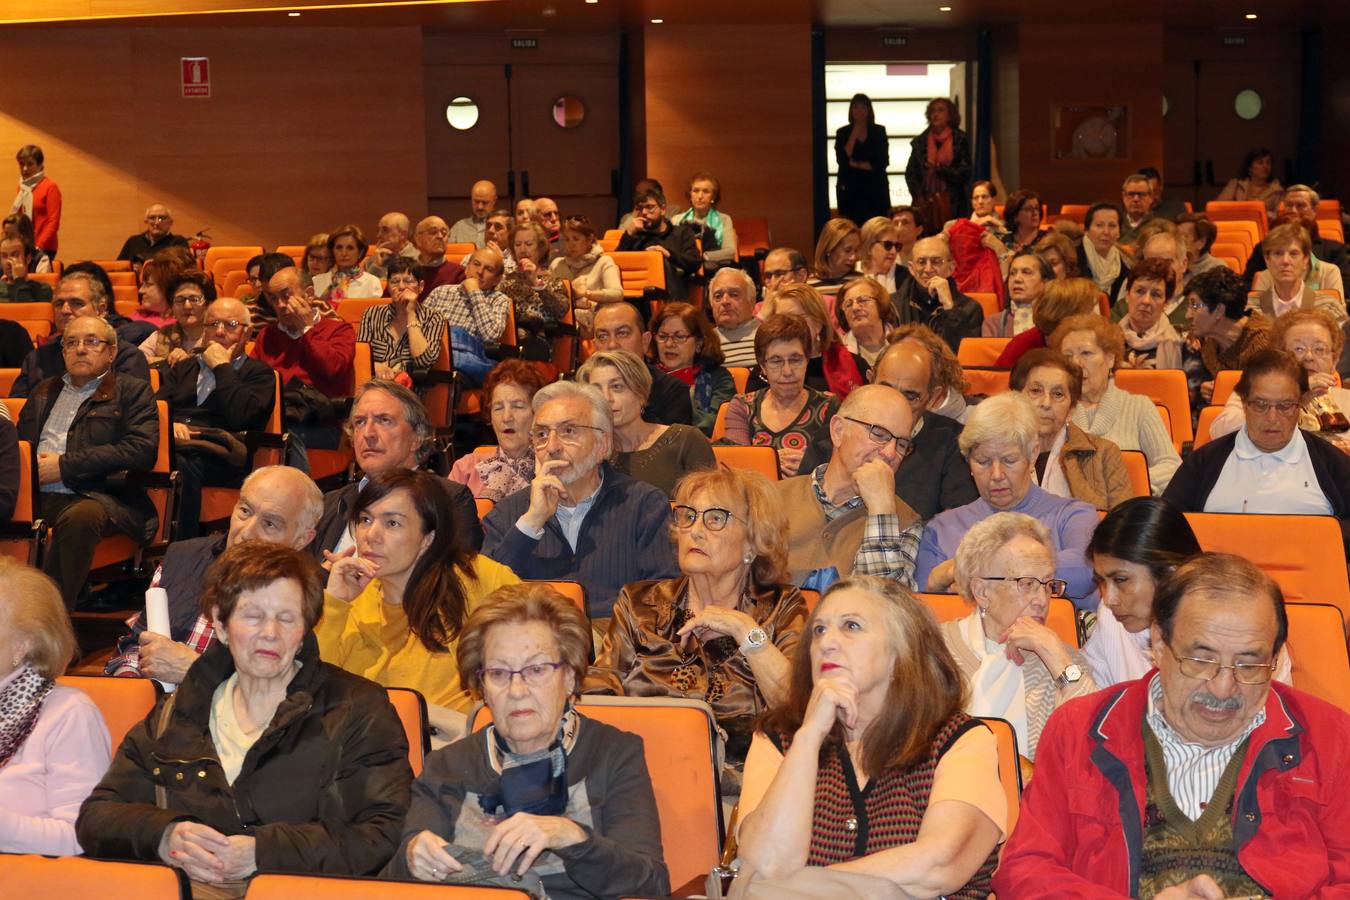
1003 419
569 390
987 537
311 507
747 283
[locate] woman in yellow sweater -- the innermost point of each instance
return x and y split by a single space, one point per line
395 603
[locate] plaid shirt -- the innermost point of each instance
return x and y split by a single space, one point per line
480 313
127 662
887 550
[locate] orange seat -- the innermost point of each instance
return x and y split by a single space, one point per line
1232 262
269 448
1205 425
1224 382
244 253
1318 648
124 702
678 740
116 265
75 877
1136 464
811 598
1243 232
411 707
986 382
1075 211
224 266
457 251
752 236
351 309
122 278
740 375
22 538
1009 765
294 251
1166 387
569 589
234 282
484 506
1331 229
1061 618
7 379
639 269
1231 248
1239 210
1304 554
332 887
27 311
763 460
719 431
608 245
124 294
49 278
981 351
988 302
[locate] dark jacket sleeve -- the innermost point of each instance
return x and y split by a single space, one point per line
652 525
957 487
15 344
465 510
918 158
131 361
30 375
9 469
243 398
684 250
1188 488
135 448
965 319
670 402
506 543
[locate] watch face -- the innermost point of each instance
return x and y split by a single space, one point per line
1072 673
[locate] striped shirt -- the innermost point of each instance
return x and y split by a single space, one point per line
738 344
1193 771
375 325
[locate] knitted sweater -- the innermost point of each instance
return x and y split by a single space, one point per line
1131 422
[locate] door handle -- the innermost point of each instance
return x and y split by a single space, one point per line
525 184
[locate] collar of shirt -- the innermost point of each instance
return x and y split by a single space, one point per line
89 386
832 511
582 506
1291 454
1157 720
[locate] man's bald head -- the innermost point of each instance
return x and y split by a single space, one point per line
277 504
483 197
430 238
932 246
908 368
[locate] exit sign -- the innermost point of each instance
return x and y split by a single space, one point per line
524 43
894 40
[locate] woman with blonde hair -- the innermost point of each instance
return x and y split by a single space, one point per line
879 251
836 254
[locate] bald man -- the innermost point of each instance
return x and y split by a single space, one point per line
391 239
471 229
430 239
157 235
934 476
929 297
474 311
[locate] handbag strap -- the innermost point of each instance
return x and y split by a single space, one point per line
162 725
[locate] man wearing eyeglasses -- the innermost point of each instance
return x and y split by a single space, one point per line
430 240
1201 779
844 517
930 296
1136 195
649 229
731 296
88 425
77 294
158 234
580 519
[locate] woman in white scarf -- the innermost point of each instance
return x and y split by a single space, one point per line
1101 258
1017 668
1150 340
1137 544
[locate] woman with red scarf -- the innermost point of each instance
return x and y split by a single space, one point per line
939 167
687 347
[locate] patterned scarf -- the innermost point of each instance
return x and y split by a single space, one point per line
536 782
23 201
20 705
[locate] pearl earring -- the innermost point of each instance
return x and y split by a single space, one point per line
748 558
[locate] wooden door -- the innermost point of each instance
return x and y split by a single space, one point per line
1225 137
455 158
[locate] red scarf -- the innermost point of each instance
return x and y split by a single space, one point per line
940 154
687 374
841 370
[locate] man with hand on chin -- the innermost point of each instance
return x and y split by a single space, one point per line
649 229
844 517
580 519
930 296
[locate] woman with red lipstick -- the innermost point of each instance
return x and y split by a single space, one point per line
495 472
724 630
688 347
869 776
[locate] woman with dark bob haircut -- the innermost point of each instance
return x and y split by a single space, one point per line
686 345
544 798
396 602
266 759
871 766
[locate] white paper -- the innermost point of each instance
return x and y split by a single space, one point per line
157 619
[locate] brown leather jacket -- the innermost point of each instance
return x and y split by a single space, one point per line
1094 469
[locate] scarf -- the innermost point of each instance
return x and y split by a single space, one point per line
841 370
996 687
23 202
1105 269
940 155
534 783
711 222
20 705
686 374
337 288
1157 348
1052 479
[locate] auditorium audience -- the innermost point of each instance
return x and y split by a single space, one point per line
1028 276
831 366
836 255
396 600
1151 340
544 798
874 701
1229 334
1070 462
190 293
865 314
1300 205
649 229
304 346
712 227
16 262
391 240
1130 421
786 414
157 235
508 467
1269 465
476 313
1000 443
619 326
1161 241
878 252
689 350
403 336
1256 181
731 296
316 756
1015 666
724 630
347 245
1198 233
278 505
939 167
930 296
784 266
580 520
472 228
430 239
595 277
1208 754
863 152
653 452
1060 301
538 296
1294 278
39 198
1136 196
1100 256
89 428
54 745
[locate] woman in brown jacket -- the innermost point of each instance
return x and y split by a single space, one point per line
1071 463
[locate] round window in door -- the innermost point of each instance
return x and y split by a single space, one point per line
568 112
1248 104
461 113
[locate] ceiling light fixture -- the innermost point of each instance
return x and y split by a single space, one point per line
592 1
293 15
1251 15
944 9
657 21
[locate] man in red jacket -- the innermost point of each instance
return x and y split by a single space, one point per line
1202 779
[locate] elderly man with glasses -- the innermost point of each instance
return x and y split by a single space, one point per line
844 518
930 297
580 519
1201 779
158 234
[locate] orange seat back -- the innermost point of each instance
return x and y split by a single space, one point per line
7 379
1061 618
981 351
740 376
763 460
1009 767
1166 387
124 265
120 278
294 251
720 426
1204 425
457 251
1136 464
411 707
23 539
1239 210
1224 383
27 312
332 887
1321 657
484 505
987 382
1075 211
572 590
243 253
124 702
639 270
363 365
75 877
752 234
988 302
351 309
223 267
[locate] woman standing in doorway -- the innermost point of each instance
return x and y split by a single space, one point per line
938 173
863 153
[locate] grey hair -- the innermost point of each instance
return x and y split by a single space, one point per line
311 509
105 329
569 390
168 212
628 364
741 275
1316 197
413 411
988 536
97 292
1006 418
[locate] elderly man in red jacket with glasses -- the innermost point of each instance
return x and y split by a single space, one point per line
1201 779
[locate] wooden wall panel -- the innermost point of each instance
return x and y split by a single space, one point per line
306 128
735 100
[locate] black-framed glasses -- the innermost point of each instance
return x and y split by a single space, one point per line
676 337
534 674
888 246
775 274
1029 584
882 436
567 432
1209 669
227 324
89 343
190 299
714 517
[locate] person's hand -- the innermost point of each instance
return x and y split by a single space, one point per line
1321 382
195 848
240 858
176 355
1201 886
716 620
943 576
635 224
472 285
428 859
546 492
163 658
381 253
1207 391
941 290
517 842
876 486
385 372
833 699
349 576
298 312
405 301
659 249
990 241
1026 635
49 468
215 355
181 432
790 460
527 267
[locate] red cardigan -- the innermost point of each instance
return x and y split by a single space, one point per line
1080 831
321 357
1031 339
46 215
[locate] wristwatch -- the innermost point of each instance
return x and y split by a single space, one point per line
1070 675
755 638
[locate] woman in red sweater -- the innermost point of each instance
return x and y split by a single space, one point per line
39 198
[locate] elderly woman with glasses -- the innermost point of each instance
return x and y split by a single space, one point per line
544 799
1016 667
189 293
1001 442
403 337
688 347
722 631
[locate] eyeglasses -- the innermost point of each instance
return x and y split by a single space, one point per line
780 363
775 274
714 518
1196 305
929 262
568 433
1314 350
666 337
888 246
1138 195
89 343
227 324
190 299
1037 392
1209 669
1029 584
882 436
435 232
534 674
156 218
1261 407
